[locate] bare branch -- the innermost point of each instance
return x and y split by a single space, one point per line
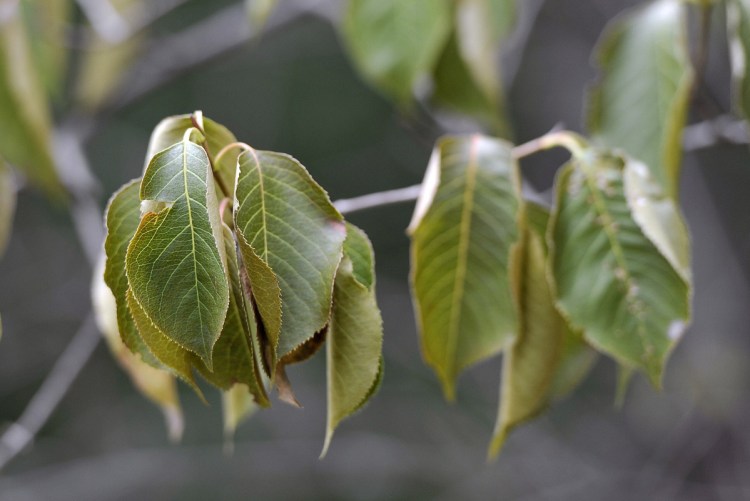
50 393
723 129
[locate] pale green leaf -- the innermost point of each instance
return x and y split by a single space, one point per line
481 25
576 361
641 101
122 218
176 260
286 221
7 204
395 43
48 30
156 385
464 239
612 281
738 31
355 334
237 405
24 111
234 355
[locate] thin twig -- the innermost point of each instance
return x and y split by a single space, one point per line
369 201
57 383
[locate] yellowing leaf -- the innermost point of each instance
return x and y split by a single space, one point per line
464 238
614 283
238 405
176 260
641 102
395 43
286 221
355 334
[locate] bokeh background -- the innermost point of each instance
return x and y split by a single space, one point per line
294 90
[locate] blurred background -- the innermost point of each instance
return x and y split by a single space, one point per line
293 89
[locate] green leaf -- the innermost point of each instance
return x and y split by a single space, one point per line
455 90
286 221
176 260
122 217
238 405
156 385
48 28
7 204
234 355
171 130
738 31
355 335
613 282
481 25
24 110
395 43
641 101
530 365
464 238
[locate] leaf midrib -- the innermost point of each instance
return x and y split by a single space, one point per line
463 249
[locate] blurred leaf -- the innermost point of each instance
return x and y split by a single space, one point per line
612 280
738 30
238 406
286 221
481 25
258 12
7 204
641 101
48 25
394 43
530 365
624 377
576 361
464 240
179 278
234 355
24 111
456 90
355 335
156 385
122 218
104 64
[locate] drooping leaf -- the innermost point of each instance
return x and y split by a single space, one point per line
481 25
456 91
176 260
156 385
576 361
530 365
238 405
48 27
285 220
7 204
613 282
171 130
355 334
641 101
464 239
395 43
105 63
738 31
235 353
24 110
122 218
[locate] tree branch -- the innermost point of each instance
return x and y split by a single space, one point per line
50 393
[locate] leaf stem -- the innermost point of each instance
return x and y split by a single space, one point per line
231 146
